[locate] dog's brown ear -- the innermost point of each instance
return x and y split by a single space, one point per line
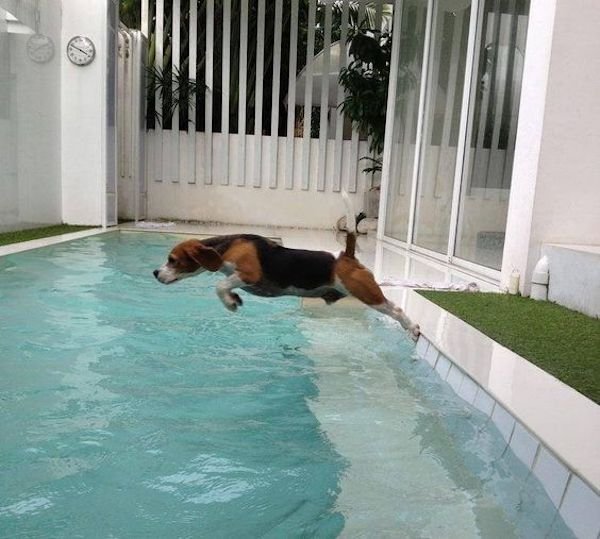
207 257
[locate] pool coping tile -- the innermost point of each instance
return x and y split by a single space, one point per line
13 248
484 402
574 495
504 421
524 444
552 474
468 389
443 365
563 420
580 509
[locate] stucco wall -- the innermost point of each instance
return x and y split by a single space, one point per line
29 118
567 198
555 194
83 116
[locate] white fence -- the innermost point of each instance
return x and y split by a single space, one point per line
269 175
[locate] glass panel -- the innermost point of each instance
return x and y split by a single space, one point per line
492 129
29 113
412 39
445 79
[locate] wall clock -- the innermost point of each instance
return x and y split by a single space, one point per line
40 48
81 50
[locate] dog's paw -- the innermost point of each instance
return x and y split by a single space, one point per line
232 301
415 331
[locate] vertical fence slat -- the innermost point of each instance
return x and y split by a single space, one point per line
225 63
308 91
323 123
492 104
378 14
167 139
274 143
158 64
502 82
519 37
354 168
176 48
258 94
291 99
449 105
462 130
378 25
390 127
208 104
243 76
145 26
492 34
339 124
437 31
193 58
416 168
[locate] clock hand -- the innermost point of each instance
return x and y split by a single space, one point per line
80 50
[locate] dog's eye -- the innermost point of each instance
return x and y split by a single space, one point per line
171 260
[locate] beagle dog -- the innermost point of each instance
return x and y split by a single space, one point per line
262 267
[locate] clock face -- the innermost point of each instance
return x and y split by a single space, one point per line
40 48
81 50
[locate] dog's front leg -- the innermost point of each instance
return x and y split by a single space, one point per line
230 299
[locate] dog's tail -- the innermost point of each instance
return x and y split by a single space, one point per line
350 226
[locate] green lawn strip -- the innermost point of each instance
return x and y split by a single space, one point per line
17 236
563 342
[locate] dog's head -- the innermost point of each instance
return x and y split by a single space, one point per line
186 259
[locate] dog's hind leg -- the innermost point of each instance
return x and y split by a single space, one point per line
398 314
359 281
230 299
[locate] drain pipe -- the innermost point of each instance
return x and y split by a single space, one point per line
539 280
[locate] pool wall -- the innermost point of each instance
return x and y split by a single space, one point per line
551 428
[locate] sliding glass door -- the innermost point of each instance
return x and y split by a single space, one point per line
487 168
454 127
445 81
406 108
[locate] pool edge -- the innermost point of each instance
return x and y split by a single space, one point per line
501 384
13 248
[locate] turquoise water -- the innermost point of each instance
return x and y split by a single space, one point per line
133 409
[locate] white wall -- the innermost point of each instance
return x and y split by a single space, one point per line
84 115
528 141
29 119
557 198
567 199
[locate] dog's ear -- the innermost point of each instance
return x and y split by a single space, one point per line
207 257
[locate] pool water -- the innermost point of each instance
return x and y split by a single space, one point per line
133 409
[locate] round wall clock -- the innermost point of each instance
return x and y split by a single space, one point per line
40 48
81 50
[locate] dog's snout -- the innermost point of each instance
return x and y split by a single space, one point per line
155 273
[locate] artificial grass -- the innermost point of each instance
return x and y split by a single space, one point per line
17 236
563 342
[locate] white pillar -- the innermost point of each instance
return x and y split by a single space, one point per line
83 115
528 141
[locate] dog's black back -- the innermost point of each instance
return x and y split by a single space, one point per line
281 266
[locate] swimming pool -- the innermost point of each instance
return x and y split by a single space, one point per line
131 409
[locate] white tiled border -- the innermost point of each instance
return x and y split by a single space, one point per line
577 502
51 240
